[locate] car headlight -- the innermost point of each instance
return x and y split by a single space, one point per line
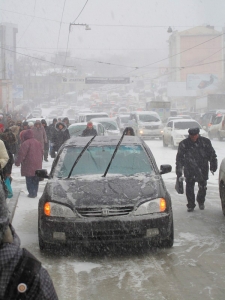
150 207
57 210
141 131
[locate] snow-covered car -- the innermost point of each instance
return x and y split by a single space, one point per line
122 121
110 125
217 127
76 129
146 124
222 184
177 130
105 190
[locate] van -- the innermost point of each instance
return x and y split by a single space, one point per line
146 124
86 117
217 127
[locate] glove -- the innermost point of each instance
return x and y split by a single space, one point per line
213 167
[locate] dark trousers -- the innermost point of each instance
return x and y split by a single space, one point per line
202 187
32 185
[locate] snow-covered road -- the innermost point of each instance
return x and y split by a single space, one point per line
193 269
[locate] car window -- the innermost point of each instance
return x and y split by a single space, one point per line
124 119
129 160
170 124
76 130
89 117
186 125
217 120
148 118
109 125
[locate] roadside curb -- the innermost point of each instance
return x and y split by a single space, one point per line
12 202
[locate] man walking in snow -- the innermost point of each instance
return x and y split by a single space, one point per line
193 157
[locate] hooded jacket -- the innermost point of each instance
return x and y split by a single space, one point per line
194 158
30 154
39 133
59 136
10 253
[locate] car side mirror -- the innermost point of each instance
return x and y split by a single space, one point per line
165 169
43 173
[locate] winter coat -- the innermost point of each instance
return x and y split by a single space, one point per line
3 155
10 254
59 136
89 132
39 133
194 158
8 167
51 129
8 137
30 154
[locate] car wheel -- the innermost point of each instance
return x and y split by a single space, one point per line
219 137
164 143
172 144
222 196
210 135
168 243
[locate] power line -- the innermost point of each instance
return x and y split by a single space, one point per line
60 27
80 11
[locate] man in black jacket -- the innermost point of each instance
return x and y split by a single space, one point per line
193 157
89 130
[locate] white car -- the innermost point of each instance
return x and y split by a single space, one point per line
76 129
177 130
110 125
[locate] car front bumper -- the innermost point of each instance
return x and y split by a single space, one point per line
105 230
150 132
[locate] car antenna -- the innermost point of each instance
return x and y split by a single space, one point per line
79 156
114 153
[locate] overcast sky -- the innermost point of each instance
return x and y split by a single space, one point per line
117 26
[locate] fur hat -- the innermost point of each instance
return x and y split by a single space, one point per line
193 131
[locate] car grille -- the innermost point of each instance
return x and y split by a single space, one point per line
104 211
152 127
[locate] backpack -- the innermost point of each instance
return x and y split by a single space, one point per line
23 276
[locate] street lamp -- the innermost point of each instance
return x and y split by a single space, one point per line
169 30
87 27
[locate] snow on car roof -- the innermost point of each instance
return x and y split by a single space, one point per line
103 140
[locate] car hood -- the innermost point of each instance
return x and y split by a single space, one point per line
111 190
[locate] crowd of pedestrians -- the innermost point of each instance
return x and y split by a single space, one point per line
28 144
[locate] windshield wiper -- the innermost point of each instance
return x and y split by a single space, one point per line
114 153
79 156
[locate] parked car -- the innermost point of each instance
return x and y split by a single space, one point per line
177 130
87 201
76 129
148 124
109 124
222 184
217 127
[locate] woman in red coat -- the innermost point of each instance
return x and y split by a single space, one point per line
30 157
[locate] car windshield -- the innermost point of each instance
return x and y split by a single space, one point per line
186 125
109 125
124 119
77 130
128 161
89 117
148 118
